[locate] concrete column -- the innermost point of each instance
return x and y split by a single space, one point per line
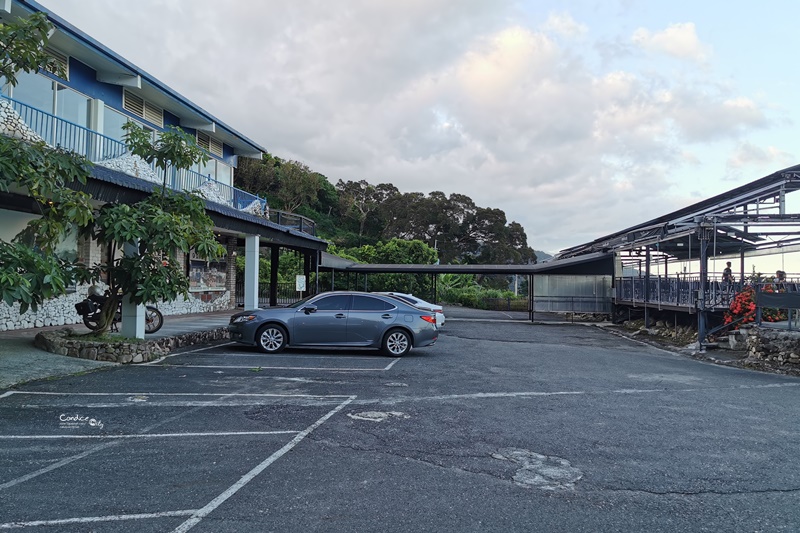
96 117
251 255
132 314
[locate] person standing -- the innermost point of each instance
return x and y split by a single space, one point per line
727 277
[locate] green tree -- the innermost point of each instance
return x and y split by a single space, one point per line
30 271
156 229
360 199
258 176
298 186
396 252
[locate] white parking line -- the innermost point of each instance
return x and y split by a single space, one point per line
296 357
304 402
90 451
536 394
156 399
244 480
156 361
214 394
150 435
90 519
262 367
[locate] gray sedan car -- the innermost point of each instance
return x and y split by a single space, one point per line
337 319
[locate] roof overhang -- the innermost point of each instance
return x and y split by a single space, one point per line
111 186
112 68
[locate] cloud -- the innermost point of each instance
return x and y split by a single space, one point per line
564 24
458 96
748 154
678 40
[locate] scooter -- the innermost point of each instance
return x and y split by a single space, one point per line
90 308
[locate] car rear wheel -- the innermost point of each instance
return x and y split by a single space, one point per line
271 338
396 343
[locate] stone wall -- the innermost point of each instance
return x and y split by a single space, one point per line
61 311
775 345
54 312
62 342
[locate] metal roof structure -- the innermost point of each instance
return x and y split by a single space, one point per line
595 263
748 218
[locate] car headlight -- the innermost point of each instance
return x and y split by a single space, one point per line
243 318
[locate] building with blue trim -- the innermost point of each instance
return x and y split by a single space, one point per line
85 112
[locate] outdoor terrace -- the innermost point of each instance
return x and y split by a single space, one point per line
103 150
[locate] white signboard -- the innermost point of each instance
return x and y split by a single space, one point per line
300 283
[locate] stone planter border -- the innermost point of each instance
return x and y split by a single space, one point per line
60 342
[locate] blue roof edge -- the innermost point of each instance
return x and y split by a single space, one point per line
63 24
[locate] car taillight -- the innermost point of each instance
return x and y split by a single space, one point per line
429 318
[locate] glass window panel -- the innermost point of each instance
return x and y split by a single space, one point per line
72 106
69 133
112 123
368 303
34 90
224 173
333 303
209 169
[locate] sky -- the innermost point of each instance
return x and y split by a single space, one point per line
577 118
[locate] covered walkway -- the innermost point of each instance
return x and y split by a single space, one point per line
756 219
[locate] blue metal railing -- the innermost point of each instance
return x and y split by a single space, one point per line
97 148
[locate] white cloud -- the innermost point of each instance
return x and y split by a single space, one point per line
748 154
677 40
458 96
564 24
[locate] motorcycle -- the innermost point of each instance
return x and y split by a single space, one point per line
90 308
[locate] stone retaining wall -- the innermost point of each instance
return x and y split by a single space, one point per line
775 345
61 342
61 311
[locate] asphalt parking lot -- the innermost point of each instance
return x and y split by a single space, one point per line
501 426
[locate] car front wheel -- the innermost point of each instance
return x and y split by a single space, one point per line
271 338
396 343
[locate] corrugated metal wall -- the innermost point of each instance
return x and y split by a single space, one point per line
573 293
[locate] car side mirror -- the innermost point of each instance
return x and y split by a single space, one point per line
309 309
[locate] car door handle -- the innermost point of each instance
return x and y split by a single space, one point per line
387 315
340 315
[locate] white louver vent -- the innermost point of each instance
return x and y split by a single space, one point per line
203 140
132 103
215 147
143 109
209 144
154 114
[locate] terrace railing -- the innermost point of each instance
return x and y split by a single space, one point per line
293 220
669 291
97 147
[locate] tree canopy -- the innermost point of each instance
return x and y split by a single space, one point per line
352 214
30 270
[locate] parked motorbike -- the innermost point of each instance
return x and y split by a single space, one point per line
90 308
